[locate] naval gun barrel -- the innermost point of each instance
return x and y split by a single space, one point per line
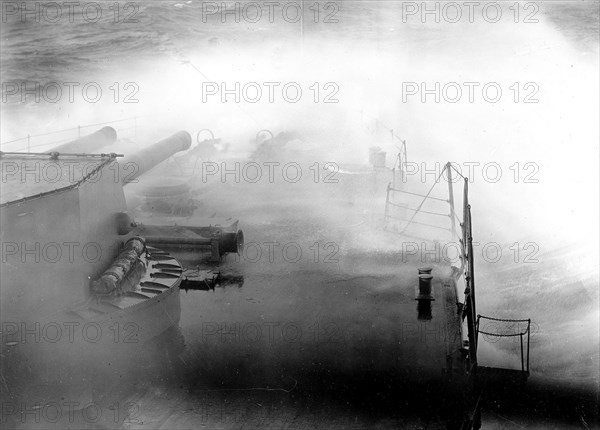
140 162
90 143
232 241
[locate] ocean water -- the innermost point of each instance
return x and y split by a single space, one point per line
171 51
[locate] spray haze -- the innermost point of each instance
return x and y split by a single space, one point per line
359 78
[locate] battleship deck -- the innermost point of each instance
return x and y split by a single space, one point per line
340 325
290 332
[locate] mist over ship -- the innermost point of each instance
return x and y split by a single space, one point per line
532 166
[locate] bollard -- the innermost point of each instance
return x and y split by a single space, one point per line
424 293
424 310
425 270
425 287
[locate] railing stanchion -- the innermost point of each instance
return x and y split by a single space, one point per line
451 199
528 337
387 205
522 357
471 333
471 262
464 223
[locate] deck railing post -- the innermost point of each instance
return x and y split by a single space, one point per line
471 263
464 225
528 334
451 200
471 333
387 204
522 357
469 276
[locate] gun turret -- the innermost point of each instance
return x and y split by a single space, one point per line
90 143
137 164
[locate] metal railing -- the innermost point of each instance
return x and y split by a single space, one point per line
393 188
401 161
468 259
465 239
521 334
469 308
68 134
